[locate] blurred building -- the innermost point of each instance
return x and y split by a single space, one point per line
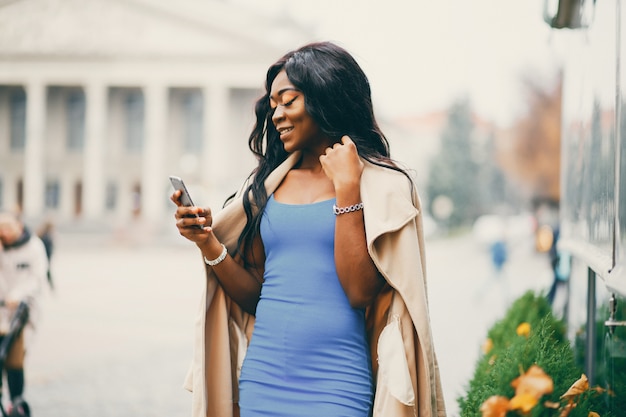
101 100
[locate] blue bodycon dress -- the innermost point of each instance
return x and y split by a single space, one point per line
308 355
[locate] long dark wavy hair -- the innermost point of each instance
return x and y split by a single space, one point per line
337 95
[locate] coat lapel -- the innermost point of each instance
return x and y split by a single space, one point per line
230 221
386 210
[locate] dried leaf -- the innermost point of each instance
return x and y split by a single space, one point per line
567 409
551 404
577 388
523 402
495 406
535 382
600 390
523 329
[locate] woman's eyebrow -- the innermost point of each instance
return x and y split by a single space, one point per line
283 90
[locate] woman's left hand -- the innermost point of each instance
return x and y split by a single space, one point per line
342 164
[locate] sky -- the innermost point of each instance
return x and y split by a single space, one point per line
422 55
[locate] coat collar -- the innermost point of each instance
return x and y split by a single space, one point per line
231 220
385 209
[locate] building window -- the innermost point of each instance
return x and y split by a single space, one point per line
193 121
75 107
134 106
110 200
53 193
17 103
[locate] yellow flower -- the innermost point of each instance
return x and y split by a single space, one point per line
523 329
593 414
523 402
495 406
535 381
487 346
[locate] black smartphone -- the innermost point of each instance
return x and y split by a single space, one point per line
185 198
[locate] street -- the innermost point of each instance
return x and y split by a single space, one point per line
116 334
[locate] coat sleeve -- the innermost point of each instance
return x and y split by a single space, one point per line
395 241
32 278
222 328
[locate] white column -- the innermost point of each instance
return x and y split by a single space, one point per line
34 174
154 178
93 175
215 156
9 187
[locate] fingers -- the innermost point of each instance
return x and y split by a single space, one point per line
175 197
186 222
193 217
345 140
194 223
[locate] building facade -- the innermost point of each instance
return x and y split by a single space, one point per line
101 100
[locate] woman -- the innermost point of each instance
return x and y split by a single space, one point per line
306 262
23 266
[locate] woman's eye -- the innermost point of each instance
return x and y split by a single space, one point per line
288 100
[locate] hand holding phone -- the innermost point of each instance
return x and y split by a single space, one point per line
178 184
185 198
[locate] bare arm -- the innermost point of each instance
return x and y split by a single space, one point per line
357 273
241 284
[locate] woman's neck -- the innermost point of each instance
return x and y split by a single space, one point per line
310 159
309 162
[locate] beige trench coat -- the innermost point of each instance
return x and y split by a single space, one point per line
403 357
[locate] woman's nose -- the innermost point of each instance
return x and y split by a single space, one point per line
279 114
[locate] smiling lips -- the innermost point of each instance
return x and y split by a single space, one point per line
284 130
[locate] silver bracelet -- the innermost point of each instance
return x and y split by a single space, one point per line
218 259
349 209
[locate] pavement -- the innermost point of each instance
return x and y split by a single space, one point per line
116 332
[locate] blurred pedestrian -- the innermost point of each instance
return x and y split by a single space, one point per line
46 234
318 263
23 266
561 263
499 255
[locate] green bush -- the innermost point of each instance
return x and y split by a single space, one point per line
610 358
511 355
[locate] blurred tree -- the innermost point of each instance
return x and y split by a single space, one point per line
495 188
535 157
454 172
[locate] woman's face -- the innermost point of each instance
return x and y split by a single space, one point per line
297 129
10 229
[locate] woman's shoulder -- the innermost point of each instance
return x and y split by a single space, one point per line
389 181
392 175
